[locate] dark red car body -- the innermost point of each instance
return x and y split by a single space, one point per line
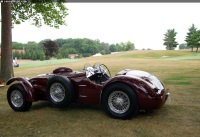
150 95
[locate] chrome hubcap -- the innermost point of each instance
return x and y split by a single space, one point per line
119 102
57 92
16 98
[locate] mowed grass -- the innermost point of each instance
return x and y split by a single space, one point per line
179 117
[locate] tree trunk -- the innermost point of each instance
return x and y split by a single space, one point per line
197 49
6 42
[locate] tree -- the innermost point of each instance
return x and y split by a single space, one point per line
129 46
170 40
119 47
198 40
17 45
113 48
6 42
50 13
103 47
191 38
183 46
195 39
50 48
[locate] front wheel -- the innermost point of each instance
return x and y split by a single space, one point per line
120 101
16 98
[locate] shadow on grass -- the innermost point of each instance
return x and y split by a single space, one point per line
76 106
41 105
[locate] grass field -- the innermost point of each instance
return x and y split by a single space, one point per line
179 70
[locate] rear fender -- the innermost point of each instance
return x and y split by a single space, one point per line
27 86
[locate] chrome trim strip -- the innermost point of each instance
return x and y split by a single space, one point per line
82 96
82 85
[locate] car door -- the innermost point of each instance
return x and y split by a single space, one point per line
89 92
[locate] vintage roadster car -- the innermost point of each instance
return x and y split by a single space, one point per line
121 96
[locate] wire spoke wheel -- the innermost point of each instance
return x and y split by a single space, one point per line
119 102
57 92
16 98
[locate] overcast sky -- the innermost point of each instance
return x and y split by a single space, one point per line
144 24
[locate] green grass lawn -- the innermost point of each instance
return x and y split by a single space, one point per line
179 70
169 55
47 63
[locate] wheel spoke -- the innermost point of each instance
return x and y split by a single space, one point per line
57 92
16 98
118 102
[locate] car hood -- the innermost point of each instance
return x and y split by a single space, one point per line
152 80
136 73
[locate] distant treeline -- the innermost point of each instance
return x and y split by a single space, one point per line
84 47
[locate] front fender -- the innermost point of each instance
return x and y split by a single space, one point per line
136 83
27 86
142 89
147 96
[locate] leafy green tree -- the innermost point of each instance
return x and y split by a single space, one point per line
41 56
33 46
113 48
191 38
59 56
195 39
198 44
17 45
170 40
50 13
119 47
198 39
103 47
64 52
129 46
72 51
61 42
183 46
34 55
16 54
102 52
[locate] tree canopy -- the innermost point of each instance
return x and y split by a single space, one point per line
50 48
84 47
37 12
183 46
193 37
170 40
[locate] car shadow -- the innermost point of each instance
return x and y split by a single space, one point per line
78 106
45 104
40 105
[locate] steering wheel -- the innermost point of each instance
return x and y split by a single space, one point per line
104 70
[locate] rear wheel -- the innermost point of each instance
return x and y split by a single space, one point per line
59 91
120 101
16 98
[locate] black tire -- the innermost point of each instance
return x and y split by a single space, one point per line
17 98
120 101
60 92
